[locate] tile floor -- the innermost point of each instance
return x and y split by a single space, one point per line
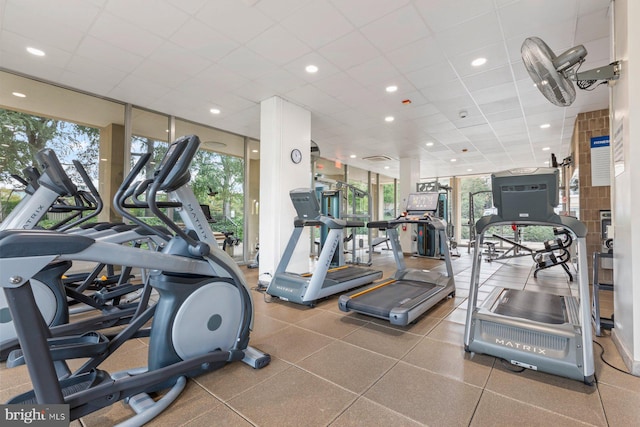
345 369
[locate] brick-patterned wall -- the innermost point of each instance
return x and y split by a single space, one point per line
592 199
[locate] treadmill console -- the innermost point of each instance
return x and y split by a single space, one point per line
528 194
422 203
306 203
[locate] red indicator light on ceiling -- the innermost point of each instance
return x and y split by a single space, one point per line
406 101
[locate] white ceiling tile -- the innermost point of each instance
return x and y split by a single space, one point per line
197 37
189 6
527 16
588 6
417 55
278 45
361 12
480 31
13 49
234 19
495 93
280 81
443 92
97 50
279 9
446 14
515 113
125 35
247 63
434 75
160 73
348 51
50 14
338 84
157 17
593 26
495 54
376 71
37 26
598 51
174 57
255 92
139 91
310 24
396 29
497 76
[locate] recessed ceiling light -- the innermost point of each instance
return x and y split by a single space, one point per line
469 170
386 167
254 151
389 119
429 144
546 148
214 111
103 160
454 160
545 126
19 94
546 162
478 62
391 88
353 156
311 69
35 52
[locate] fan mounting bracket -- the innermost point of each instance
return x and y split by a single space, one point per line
607 72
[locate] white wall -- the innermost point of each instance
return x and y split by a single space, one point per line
625 128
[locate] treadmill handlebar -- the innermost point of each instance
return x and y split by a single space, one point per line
436 223
567 222
319 221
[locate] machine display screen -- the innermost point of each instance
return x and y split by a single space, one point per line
422 202
167 155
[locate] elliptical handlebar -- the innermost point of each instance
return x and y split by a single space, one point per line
90 200
171 173
53 175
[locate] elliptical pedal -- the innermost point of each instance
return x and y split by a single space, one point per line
68 386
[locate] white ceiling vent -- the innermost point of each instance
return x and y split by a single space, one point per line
378 158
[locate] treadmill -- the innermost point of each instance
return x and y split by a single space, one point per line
535 330
409 293
308 288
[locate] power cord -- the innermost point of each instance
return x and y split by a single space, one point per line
607 363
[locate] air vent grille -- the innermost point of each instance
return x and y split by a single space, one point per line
379 158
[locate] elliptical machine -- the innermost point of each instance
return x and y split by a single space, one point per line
201 322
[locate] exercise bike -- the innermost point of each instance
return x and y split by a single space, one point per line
201 322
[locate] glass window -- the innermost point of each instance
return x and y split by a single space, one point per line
46 116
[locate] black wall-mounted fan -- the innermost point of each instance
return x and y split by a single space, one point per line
554 75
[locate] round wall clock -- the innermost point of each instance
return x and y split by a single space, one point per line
296 156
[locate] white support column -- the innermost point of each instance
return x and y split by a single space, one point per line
283 127
625 133
409 177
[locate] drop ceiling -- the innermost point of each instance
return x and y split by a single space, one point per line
185 57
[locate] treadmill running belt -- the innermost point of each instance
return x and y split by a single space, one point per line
343 274
536 306
381 301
